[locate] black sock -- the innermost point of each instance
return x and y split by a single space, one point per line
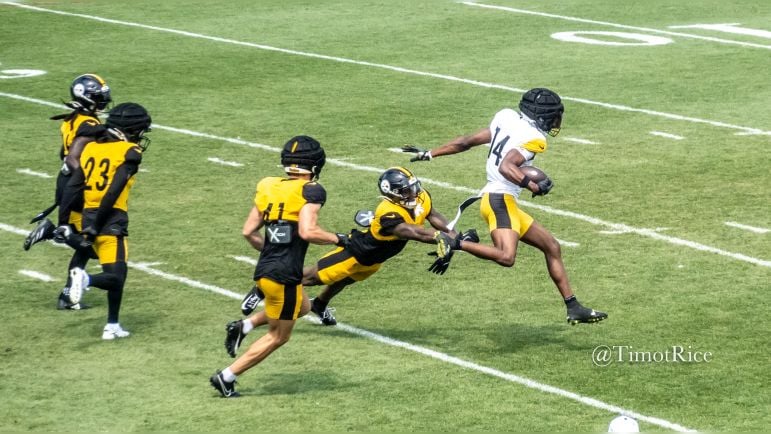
319 303
571 302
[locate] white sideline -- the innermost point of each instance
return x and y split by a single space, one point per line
617 227
147 267
748 130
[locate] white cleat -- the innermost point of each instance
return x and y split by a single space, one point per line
114 331
79 284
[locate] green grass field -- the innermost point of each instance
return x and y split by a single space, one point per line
642 216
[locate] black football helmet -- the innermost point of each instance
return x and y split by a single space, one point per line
90 92
545 108
303 155
400 186
131 120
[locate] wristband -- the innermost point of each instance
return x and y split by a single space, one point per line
525 181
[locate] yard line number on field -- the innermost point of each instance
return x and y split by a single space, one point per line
747 130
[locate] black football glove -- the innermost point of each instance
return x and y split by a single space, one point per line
441 264
544 187
445 244
470 235
420 154
62 233
342 240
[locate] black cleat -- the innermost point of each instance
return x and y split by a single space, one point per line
251 300
227 390
234 336
580 314
43 231
325 314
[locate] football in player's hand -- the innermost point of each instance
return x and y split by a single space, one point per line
535 174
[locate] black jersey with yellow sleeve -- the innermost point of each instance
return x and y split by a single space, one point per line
74 125
378 243
109 168
280 201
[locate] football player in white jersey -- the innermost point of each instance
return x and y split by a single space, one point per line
515 140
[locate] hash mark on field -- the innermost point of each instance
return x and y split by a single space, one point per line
581 141
666 135
246 259
224 163
391 67
757 230
567 243
547 209
33 173
37 275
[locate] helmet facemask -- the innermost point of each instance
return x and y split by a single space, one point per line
400 186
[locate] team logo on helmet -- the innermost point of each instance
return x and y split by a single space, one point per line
90 92
544 107
400 186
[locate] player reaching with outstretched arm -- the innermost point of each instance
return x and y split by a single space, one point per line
515 140
398 218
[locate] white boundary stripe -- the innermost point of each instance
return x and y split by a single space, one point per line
666 135
618 26
390 68
33 173
225 163
37 275
547 209
757 230
147 268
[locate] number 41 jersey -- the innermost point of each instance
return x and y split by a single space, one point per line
511 132
280 201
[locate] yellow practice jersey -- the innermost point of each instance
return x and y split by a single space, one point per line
378 243
77 124
280 201
100 161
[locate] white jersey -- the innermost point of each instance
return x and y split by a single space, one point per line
511 132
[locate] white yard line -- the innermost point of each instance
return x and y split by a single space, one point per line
616 25
547 209
387 67
37 275
589 401
147 267
33 173
757 230
225 163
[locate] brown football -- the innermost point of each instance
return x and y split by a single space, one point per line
536 175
